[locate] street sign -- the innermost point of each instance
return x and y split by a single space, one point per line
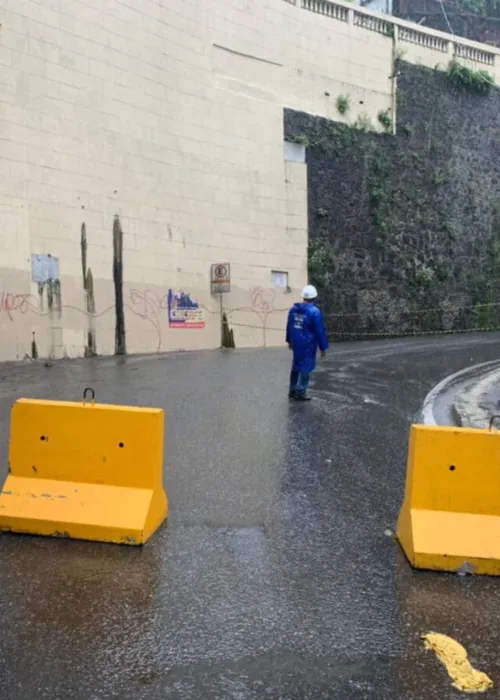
221 278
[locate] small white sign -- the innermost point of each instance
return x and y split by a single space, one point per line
279 279
221 278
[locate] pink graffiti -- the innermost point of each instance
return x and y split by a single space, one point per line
262 300
12 303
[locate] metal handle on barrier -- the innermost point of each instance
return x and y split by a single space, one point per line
85 392
492 420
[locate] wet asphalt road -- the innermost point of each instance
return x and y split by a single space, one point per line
274 578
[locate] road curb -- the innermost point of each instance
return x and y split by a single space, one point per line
457 418
474 406
455 390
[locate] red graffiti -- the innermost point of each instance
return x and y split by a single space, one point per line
152 308
12 303
262 300
145 304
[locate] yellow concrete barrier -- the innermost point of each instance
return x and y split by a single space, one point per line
84 470
450 518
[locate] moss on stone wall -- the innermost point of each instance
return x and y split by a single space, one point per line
405 230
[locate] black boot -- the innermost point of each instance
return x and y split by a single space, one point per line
302 397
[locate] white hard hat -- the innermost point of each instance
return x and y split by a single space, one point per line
309 292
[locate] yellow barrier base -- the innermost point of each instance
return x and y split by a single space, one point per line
450 517
466 539
81 511
84 471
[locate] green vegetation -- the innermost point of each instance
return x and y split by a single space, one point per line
343 104
363 123
384 118
321 263
395 255
484 8
476 81
485 316
439 177
301 139
425 275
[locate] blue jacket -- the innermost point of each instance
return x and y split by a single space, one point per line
305 332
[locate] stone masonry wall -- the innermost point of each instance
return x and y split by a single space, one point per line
405 230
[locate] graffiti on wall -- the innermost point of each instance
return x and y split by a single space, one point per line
178 308
264 305
183 312
145 304
11 303
264 311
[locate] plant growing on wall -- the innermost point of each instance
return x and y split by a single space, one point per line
343 104
478 81
363 122
404 235
425 275
485 316
321 264
476 7
439 177
384 118
301 139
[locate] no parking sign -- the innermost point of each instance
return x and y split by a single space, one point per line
221 278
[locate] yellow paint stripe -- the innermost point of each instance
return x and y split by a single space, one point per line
454 657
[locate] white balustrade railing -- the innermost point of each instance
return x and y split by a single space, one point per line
430 41
470 53
374 24
324 7
402 31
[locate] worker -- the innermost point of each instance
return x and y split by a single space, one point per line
305 333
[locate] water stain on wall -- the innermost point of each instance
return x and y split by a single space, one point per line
50 292
34 348
120 346
88 286
54 301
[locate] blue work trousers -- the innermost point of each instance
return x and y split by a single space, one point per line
299 381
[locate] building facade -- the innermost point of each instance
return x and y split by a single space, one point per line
142 143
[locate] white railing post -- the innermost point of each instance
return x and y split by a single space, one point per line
450 50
